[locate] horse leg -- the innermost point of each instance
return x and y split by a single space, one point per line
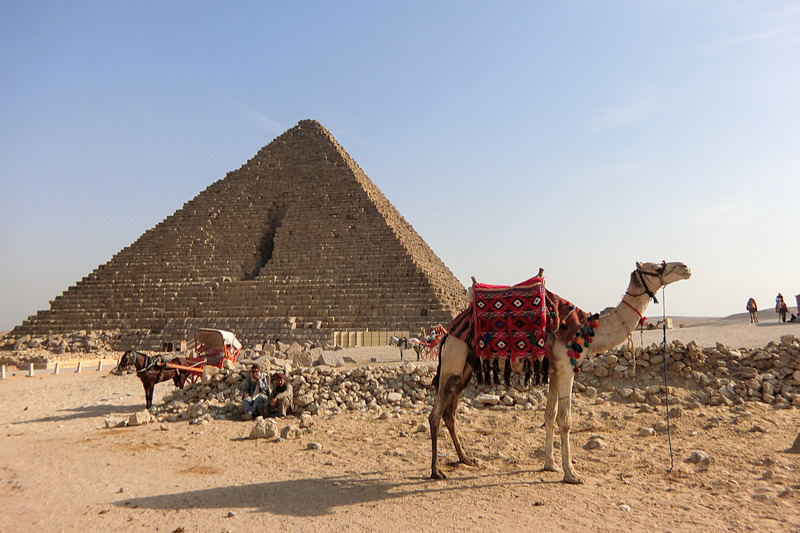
148 392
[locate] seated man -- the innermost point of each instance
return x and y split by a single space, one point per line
255 392
281 399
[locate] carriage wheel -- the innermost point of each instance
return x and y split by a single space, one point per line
426 352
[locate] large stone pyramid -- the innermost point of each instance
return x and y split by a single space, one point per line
296 244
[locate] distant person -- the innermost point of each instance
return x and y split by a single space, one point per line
782 310
255 392
752 307
281 400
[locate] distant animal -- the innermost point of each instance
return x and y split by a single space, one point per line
405 343
458 361
153 369
752 307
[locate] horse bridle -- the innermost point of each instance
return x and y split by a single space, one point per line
126 360
129 358
659 274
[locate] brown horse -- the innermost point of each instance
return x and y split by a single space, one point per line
152 370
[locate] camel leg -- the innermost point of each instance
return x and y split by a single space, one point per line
454 374
564 377
445 397
549 424
449 416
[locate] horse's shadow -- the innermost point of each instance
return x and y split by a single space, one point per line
86 411
291 497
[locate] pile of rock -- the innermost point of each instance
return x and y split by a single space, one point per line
47 348
721 375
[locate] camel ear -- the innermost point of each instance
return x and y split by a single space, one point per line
639 265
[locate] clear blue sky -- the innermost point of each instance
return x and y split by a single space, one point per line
579 136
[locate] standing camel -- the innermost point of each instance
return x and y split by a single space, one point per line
752 307
457 362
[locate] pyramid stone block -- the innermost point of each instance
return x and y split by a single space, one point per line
296 243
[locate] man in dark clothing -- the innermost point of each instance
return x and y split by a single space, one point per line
281 399
255 392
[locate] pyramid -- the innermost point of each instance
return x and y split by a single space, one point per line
295 244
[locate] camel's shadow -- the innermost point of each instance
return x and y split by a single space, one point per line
320 496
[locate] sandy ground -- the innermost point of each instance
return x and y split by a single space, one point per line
61 470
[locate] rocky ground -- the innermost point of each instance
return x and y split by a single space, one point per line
78 453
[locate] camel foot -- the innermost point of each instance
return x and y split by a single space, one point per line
551 467
469 462
573 479
437 474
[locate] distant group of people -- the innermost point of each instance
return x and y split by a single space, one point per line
780 307
262 398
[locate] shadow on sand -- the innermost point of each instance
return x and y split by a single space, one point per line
320 496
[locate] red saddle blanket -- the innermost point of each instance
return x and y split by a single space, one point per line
514 321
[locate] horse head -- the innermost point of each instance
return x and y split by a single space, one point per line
128 358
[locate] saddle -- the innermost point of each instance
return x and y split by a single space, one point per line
515 321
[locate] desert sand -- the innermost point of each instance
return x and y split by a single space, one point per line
61 469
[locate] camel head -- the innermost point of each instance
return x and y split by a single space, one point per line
653 276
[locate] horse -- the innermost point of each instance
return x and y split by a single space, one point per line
152 370
404 343
752 307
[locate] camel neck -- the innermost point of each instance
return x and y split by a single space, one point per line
614 325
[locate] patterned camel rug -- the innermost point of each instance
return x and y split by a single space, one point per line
514 321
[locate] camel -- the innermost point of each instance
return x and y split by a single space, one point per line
458 361
752 307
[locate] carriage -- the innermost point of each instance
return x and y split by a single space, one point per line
429 344
211 347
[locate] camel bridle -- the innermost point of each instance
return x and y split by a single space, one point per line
658 274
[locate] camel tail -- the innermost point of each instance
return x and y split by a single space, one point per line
439 363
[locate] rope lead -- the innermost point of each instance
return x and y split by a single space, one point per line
666 385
